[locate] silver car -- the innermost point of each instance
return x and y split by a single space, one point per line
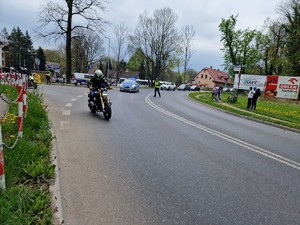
130 86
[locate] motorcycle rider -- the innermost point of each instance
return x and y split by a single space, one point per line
96 83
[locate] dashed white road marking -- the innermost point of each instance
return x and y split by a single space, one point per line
66 112
65 125
246 145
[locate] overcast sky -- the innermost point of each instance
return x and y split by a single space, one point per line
203 15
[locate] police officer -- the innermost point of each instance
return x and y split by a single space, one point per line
48 77
156 87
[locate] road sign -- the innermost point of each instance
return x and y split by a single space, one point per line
37 61
237 68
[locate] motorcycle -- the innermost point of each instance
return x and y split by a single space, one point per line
101 102
31 82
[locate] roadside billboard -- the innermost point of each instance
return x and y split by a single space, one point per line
248 80
53 66
271 86
288 87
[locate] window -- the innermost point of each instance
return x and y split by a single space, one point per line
201 76
205 76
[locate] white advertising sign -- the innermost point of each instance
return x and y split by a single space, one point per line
248 80
288 87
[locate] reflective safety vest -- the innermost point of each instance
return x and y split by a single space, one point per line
156 84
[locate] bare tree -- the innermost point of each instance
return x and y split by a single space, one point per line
121 49
65 18
158 39
86 49
4 35
187 34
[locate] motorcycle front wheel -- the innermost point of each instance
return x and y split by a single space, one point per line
107 112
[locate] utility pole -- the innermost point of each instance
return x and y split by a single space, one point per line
108 57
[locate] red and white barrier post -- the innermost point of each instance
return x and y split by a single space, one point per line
0 75
2 174
25 84
20 108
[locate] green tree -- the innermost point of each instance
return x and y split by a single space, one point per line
230 37
42 57
275 60
21 52
29 53
136 60
292 28
241 47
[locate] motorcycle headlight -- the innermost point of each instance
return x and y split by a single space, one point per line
104 97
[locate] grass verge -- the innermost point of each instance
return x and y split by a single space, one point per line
28 168
280 112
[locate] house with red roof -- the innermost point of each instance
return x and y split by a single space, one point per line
210 78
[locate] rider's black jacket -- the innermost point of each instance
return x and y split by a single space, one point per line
98 83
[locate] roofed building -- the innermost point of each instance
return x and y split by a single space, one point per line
4 54
210 78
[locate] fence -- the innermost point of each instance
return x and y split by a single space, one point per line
19 81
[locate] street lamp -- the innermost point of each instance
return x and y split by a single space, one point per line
108 56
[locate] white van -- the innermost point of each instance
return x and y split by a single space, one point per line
81 78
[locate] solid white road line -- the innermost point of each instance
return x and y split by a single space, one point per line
249 146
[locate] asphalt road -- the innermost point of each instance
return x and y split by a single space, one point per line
170 161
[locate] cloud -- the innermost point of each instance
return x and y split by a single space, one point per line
205 16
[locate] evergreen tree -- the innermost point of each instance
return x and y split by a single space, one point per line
41 56
28 52
21 53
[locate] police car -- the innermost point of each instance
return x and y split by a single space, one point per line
81 78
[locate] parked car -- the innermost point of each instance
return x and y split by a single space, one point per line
57 80
81 78
130 86
168 86
184 87
195 88
226 89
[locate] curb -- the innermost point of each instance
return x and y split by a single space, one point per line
55 189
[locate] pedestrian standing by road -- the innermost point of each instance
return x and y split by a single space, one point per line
220 93
255 97
156 87
250 97
64 78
